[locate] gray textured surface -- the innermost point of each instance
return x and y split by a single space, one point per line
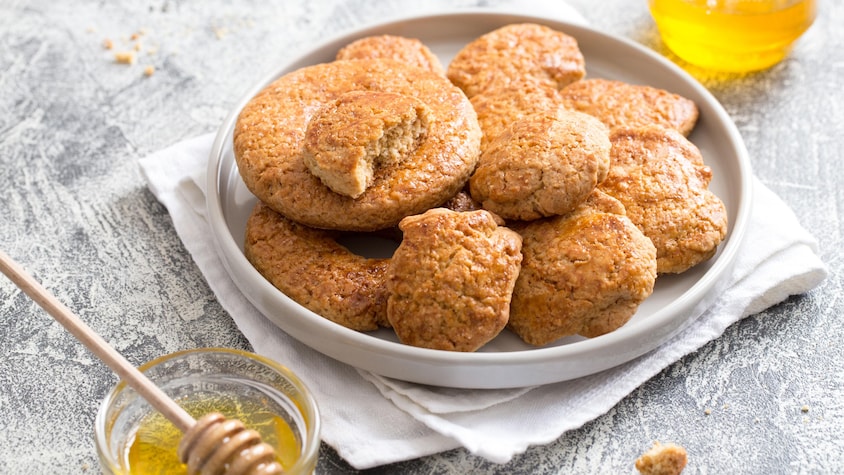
75 212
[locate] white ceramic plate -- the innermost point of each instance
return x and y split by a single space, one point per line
506 361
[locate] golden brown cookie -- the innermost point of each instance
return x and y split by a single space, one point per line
583 273
619 104
451 279
517 52
661 179
310 267
269 145
407 50
349 139
499 107
543 165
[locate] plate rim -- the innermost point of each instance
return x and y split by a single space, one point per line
689 301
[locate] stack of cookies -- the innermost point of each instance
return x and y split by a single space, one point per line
522 194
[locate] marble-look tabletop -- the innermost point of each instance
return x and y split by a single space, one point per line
766 397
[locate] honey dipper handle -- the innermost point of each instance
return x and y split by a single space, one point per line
127 372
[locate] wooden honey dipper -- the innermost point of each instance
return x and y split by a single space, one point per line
211 445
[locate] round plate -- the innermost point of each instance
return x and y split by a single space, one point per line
506 361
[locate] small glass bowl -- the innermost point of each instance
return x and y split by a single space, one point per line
235 383
732 35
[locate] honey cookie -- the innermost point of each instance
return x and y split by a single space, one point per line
584 273
499 107
544 165
270 135
451 279
618 104
516 52
317 272
661 179
407 50
350 138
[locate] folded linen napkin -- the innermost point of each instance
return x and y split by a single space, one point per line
372 420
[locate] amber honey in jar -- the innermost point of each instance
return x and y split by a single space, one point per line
732 35
152 448
134 439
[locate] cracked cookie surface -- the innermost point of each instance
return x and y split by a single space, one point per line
451 279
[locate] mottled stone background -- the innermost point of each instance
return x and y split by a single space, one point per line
75 211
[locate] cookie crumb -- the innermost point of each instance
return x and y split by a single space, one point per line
805 408
149 71
108 44
662 459
125 57
220 32
707 411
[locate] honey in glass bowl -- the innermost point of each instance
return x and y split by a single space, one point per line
152 447
732 35
134 439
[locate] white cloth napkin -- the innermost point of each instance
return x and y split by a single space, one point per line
371 420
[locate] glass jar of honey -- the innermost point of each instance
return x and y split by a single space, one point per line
732 35
132 438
